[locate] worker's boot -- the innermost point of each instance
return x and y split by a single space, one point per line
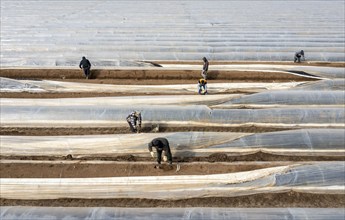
138 129
158 166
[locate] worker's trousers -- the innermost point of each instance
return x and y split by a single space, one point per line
86 71
133 127
204 74
167 153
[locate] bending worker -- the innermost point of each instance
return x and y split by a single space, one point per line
86 66
161 144
134 121
202 86
298 56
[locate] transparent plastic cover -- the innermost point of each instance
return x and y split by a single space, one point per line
193 213
61 32
183 144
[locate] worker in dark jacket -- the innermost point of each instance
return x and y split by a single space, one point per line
86 66
204 68
134 121
161 144
298 56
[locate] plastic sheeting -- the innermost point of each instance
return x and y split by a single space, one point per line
127 100
336 84
305 71
191 115
49 33
204 213
324 178
264 99
278 98
303 139
47 86
183 144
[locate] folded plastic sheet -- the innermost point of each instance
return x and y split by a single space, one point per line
324 178
281 98
303 139
305 71
180 31
183 144
169 115
335 84
48 86
192 213
323 72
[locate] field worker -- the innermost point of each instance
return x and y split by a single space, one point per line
161 144
202 86
86 66
134 121
298 56
204 68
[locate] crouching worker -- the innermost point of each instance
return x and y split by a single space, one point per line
134 121
161 144
298 56
202 86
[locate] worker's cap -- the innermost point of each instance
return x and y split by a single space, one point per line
83 58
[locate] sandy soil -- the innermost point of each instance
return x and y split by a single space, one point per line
216 157
154 76
59 131
288 199
117 169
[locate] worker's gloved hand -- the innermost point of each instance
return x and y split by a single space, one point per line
152 154
165 158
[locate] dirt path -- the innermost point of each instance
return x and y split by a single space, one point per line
79 169
288 199
59 131
148 76
216 157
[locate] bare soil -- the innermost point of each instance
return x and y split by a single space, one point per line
118 169
272 200
58 131
216 157
151 75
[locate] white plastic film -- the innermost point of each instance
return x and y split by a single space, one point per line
335 84
183 144
54 33
192 213
48 86
324 178
169 115
286 98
